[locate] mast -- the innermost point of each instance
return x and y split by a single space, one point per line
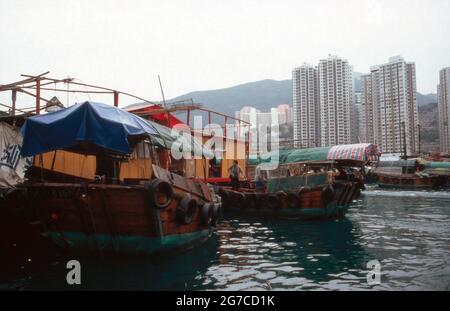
405 155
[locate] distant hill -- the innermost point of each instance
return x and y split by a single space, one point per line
428 118
425 99
262 95
357 82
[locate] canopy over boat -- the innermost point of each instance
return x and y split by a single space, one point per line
437 168
399 163
353 152
84 127
431 164
165 118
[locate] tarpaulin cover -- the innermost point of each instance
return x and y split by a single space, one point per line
165 118
355 152
170 138
305 155
431 164
437 168
103 125
399 163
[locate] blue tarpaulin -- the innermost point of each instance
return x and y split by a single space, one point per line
103 125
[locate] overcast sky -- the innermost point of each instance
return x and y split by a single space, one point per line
199 45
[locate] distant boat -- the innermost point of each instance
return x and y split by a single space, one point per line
407 174
315 183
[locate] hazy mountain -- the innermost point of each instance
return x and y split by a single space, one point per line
262 95
425 99
265 94
357 82
428 118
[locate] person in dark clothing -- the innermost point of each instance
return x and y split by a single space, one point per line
235 171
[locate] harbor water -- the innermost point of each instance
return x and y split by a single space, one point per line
407 232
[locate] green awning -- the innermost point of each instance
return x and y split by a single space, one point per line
305 155
399 163
437 165
167 138
352 152
285 156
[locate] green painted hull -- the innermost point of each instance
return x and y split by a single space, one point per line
331 211
78 241
408 187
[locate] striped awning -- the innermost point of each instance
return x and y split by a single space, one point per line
355 152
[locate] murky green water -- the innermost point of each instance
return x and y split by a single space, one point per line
407 232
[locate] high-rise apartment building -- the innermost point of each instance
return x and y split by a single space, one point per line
306 118
323 104
367 108
336 100
443 94
263 122
357 119
389 99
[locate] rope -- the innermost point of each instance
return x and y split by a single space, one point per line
93 224
85 88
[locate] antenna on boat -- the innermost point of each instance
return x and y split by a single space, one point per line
164 101
405 155
162 92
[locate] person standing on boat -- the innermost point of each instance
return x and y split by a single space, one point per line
235 171
260 180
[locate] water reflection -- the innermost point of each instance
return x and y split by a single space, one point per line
170 272
408 232
286 255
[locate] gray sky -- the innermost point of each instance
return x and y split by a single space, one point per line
198 45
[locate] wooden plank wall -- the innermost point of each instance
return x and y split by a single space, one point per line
69 163
136 168
85 165
233 150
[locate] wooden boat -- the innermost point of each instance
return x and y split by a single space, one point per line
438 168
109 213
227 146
307 183
406 174
306 202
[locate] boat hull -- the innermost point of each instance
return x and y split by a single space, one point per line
410 181
127 244
114 218
311 203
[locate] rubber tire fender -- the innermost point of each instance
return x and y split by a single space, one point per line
206 214
186 210
157 186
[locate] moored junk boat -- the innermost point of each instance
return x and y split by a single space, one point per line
111 209
407 174
316 183
438 168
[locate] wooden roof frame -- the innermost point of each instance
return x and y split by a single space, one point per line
37 83
33 84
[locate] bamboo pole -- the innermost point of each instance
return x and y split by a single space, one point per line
38 96
31 94
13 99
116 99
69 91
